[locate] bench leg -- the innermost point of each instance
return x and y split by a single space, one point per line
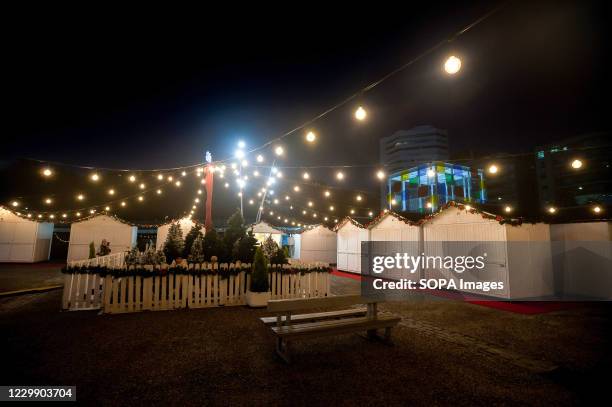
387 337
282 350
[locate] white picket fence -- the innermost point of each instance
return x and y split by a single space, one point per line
114 260
173 291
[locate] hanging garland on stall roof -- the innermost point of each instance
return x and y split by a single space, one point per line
223 273
485 215
346 220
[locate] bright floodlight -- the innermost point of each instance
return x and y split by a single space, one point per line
452 65
241 144
576 164
311 137
239 154
360 113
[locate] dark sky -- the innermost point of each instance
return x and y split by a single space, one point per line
156 88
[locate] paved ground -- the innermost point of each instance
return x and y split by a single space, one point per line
23 276
445 353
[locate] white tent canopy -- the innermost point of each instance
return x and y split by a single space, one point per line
391 234
318 245
122 237
263 230
524 269
162 231
23 240
350 234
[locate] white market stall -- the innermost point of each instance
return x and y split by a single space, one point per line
162 231
518 256
23 240
263 230
391 233
350 235
584 268
122 236
318 245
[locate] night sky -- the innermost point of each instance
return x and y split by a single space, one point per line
156 88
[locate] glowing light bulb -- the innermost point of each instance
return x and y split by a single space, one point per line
296 188
132 178
352 211
159 192
15 203
597 209
111 191
380 174
576 164
80 197
306 175
358 197
170 178
47 172
183 173
226 185
141 198
251 202
95 177
508 209
552 210
123 204
431 173
327 194
452 65
340 175
64 215
311 137
239 154
142 186
279 151
260 158
360 113
428 204
493 169
48 201
107 208
160 177
331 208
468 207
78 214
310 203
177 183
370 214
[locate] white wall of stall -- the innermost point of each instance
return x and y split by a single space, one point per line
263 230
392 234
318 244
525 269
162 231
122 236
349 239
585 268
23 240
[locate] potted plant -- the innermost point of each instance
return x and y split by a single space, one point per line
258 294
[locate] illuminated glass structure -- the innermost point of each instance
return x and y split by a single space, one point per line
425 187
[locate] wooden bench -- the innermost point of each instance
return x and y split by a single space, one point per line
288 327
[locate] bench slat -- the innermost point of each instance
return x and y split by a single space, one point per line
335 327
310 303
319 316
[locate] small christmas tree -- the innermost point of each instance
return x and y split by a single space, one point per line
269 247
174 245
259 277
234 232
194 232
279 257
197 252
92 250
213 245
244 249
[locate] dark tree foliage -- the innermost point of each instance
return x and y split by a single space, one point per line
259 277
194 232
174 245
213 245
234 232
244 249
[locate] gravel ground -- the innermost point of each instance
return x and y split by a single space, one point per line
224 356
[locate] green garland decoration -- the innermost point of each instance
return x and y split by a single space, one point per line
223 273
